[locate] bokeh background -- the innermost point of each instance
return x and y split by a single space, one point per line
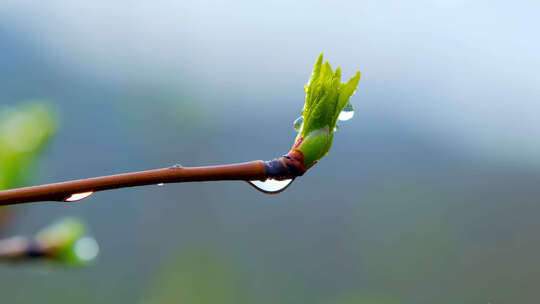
429 195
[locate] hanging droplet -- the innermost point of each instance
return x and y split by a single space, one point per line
297 124
161 184
336 128
78 196
271 186
176 166
347 112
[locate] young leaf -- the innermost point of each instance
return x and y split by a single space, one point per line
326 97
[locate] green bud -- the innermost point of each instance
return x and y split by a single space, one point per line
326 97
67 241
316 145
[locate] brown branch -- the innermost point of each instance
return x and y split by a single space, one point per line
254 170
286 167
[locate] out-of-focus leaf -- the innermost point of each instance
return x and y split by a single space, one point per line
24 131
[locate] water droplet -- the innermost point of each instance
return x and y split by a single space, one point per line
336 128
176 166
271 186
297 124
161 184
347 113
78 196
86 248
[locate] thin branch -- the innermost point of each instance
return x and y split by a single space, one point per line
286 167
18 247
61 191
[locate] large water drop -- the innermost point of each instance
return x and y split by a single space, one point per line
271 186
297 124
78 196
347 113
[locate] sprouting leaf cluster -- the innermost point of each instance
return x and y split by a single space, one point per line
326 96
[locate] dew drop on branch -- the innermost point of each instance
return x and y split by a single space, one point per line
271 186
78 196
176 166
347 112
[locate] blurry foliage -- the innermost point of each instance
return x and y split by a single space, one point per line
361 298
410 251
24 130
203 277
67 241
199 277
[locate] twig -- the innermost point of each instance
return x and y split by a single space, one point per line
286 167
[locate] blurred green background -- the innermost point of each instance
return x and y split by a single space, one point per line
429 195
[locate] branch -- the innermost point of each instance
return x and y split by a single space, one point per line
286 167
65 241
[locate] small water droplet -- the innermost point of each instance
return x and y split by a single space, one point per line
271 186
336 128
347 113
176 166
297 124
161 184
78 196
